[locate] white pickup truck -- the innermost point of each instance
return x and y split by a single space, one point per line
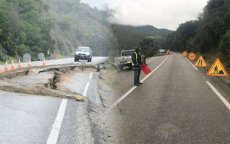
125 59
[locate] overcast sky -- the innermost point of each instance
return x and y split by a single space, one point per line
159 13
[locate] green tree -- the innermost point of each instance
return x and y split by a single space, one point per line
23 27
225 47
150 46
207 35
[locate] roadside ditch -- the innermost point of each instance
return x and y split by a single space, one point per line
106 127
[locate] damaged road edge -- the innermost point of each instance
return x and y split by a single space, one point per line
48 88
41 91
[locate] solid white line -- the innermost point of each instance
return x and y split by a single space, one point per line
219 95
154 70
133 88
53 137
87 85
192 64
86 89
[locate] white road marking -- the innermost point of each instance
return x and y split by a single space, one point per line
192 64
86 89
219 95
87 85
134 87
53 137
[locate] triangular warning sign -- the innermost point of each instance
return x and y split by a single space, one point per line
217 69
201 62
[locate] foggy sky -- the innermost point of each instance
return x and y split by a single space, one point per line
159 13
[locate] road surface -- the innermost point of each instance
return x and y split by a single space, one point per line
175 105
28 119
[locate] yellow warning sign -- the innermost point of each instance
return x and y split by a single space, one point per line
192 56
185 53
217 69
201 62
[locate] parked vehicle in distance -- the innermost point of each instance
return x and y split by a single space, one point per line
83 53
161 52
125 59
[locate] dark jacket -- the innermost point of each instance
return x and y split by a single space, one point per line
136 58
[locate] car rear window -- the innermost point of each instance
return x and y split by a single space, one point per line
127 53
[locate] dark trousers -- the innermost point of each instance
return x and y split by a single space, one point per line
137 73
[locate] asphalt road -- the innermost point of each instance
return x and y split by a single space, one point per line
28 119
175 105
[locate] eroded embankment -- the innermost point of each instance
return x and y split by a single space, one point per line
106 126
41 81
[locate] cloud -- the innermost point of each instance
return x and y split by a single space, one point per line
160 13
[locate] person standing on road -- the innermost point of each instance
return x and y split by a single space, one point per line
136 59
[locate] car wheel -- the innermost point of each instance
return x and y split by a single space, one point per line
121 67
76 60
130 66
90 59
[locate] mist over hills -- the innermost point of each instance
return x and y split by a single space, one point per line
34 26
151 30
77 24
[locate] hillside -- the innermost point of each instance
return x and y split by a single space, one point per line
145 30
77 24
151 30
23 29
34 26
148 37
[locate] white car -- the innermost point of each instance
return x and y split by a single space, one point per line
83 53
